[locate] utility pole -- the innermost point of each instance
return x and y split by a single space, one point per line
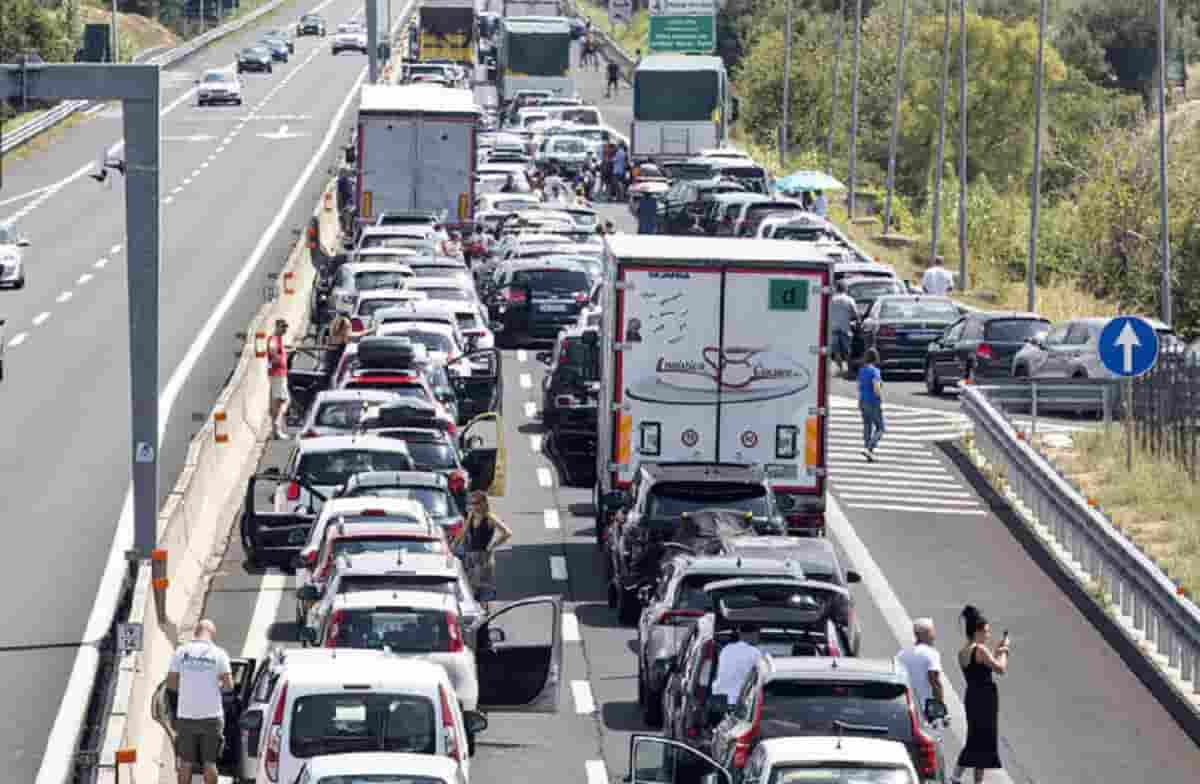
893 141
785 131
854 106
962 145
372 42
837 56
116 57
1035 187
1164 225
940 158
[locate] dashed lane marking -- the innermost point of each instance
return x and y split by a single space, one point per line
535 444
522 355
581 691
526 381
550 518
530 409
17 339
40 318
84 278
597 773
64 297
544 478
115 249
100 263
570 627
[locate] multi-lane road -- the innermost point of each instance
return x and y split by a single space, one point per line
925 540
234 182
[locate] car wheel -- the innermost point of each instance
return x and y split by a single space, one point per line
627 607
20 284
933 384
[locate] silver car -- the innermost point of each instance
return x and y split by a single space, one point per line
217 86
12 264
1070 350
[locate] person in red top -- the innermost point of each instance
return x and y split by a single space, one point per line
277 370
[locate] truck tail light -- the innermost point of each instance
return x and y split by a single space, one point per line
275 737
293 491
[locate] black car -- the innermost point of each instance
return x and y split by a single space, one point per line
865 289
687 202
535 298
311 24
277 47
568 398
980 345
254 58
900 327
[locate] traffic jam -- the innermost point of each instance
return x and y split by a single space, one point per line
469 237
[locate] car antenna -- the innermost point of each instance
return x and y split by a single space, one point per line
840 730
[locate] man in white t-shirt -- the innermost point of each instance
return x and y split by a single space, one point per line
199 671
924 664
735 663
937 279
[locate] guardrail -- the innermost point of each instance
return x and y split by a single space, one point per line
1098 395
23 134
1133 602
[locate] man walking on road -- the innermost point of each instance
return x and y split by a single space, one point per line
842 315
924 664
199 671
870 402
937 279
277 372
614 76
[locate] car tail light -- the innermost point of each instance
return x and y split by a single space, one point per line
984 351
457 481
887 332
926 749
456 640
744 743
293 491
678 617
308 434
374 513
310 558
454 529
448 734
563 401
275 737
514 296
833 647
581 297
335 627
356 324
799 522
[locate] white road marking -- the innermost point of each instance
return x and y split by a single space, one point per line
544 477
100 263
530 409
558 567
195 172
876 496
40 318
176 189
535 444
522 355
581 691
18 339
64 297
910 455
596 772
266 606
570 627
550 517
898 492
839 466
26 195
115 249
168 200
204 165
187 181
526 381
221 149
84 278
916 509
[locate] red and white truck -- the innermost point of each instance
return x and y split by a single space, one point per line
716 351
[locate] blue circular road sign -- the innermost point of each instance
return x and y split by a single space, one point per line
1128 346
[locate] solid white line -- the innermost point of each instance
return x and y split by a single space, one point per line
550 517
920 509
40 318
115 249
18 339
581 691
266 607
530 409
887 495
176 189
84 278
544 477
64 297
522 355
526 381
570 627
535 444
857 466
26 195
100 263
558 567
910 453
596 772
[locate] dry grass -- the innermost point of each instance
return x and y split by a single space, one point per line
1154 504
137 32
630 37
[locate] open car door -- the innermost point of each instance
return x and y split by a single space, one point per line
657 760
272 538
307 376
233 701
481 445
477 380
518 656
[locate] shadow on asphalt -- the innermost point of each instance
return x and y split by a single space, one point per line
283 631
623 717
598 615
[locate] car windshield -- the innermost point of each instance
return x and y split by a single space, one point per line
372 306
1013 330
402 629
441 272
435 500
405 389
585 219
335 467
431 455
432 341
555 280
359 545
917 309
446 293
215 77
572 146
379 279
343 414
339 723
671 499
793 708
871 288
850 774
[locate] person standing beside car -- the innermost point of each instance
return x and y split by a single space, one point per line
277 372
924 664
198 672
982 700
843 314
736 661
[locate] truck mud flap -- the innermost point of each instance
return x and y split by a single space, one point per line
273 538
574 451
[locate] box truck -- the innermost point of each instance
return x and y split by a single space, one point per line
416 151
446 31
681 105
715 351
534 54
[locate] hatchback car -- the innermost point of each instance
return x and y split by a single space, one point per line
978 346
311 24
254 58
535 299
429 485
355 277
349 38
278 47
12 263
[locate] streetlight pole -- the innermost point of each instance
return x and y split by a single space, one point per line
785 131
837 56
940 158
895 136
1164 226
854 106
116 58
962 145
1035 186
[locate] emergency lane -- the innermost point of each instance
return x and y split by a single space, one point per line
65 457
1068 709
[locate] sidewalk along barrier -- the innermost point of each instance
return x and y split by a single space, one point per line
39 125
194 523
1140 611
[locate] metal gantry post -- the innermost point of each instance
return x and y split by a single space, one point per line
962 145
894 139
116 58
940 157
854 107
1035 187
372 42
1164 226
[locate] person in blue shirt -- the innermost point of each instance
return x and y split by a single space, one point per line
870 402
648 214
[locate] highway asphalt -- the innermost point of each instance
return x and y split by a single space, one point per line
229 174
1071 712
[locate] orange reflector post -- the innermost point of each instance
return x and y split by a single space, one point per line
220 426
161 583
158 555
126 756
812 440
624 434
260 344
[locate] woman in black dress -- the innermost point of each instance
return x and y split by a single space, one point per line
982 703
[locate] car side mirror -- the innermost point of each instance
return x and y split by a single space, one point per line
475 722
935 710
545 357
853 576
251 722
23 242
271 471
308 593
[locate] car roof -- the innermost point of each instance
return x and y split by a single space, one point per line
425 600
916 297
700 472
439 283
735 565
401 563
543 262
833 669
855 280
397 479
422 435
397 507
351 395
360 666
359 441
355 267
386 530
831 749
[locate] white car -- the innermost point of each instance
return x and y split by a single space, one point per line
397 254
349 38
440 339
337 412
325 463
219 86
450 289
362 316
12 263
355 277
382 236
441 267
382 766
507 202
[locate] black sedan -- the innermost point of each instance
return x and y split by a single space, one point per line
980 345
900 328
277 47
311 24
254 58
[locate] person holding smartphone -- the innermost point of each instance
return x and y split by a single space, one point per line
982 700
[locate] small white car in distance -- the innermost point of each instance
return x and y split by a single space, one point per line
349 38
12 263
218 86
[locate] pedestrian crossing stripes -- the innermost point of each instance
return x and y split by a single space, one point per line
904 423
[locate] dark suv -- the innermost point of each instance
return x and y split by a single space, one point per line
536 298
980 345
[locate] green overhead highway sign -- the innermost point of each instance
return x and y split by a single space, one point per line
683 26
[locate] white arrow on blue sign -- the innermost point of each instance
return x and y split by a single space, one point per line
1128 346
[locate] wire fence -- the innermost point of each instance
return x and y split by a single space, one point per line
1166 410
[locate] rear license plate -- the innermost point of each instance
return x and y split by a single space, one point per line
298 536
553 308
